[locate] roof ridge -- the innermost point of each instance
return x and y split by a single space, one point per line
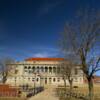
44 59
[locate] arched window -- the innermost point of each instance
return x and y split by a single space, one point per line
25 67
33 68
38 69
29 67
42 69
46 69
50 69
37 79
54 69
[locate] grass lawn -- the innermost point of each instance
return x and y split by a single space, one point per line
80 90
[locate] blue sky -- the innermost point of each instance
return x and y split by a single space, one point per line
30 28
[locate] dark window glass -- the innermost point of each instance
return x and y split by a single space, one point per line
37 79
50 69
54 79
25 67
46 69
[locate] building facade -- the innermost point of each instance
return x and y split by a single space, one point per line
40 71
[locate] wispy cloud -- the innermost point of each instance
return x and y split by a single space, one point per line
48 7
46 52
36 51
43 54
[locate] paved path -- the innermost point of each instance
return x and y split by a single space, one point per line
47 94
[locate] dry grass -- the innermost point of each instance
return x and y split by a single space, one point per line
80 90
84 89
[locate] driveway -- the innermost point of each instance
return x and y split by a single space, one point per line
47 94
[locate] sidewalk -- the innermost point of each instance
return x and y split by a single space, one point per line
47 94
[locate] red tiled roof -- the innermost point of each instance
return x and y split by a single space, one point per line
44 59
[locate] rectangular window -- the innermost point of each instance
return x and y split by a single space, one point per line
54 79
58 80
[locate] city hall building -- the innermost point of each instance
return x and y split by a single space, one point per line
40 71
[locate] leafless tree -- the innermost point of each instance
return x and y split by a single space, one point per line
5 68
67 72
81 35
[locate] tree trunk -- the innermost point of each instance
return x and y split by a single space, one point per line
71 86
4 80
90 87
65 84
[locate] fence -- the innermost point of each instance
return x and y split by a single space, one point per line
35 91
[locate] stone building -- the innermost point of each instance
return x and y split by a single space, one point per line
40 71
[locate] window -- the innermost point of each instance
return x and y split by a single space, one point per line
30 71
50 69
33 79
33 68
38 69
42 69
29 67
25 67
46 69
49 80
54 79
54 69
37 79
58 79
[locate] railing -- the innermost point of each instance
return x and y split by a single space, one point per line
35 91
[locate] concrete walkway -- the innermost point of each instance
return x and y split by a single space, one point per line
47 94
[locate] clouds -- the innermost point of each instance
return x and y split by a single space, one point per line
45 52
42 54
48 6
29 51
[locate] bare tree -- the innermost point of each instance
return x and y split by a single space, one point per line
81 36
5 69
66 72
